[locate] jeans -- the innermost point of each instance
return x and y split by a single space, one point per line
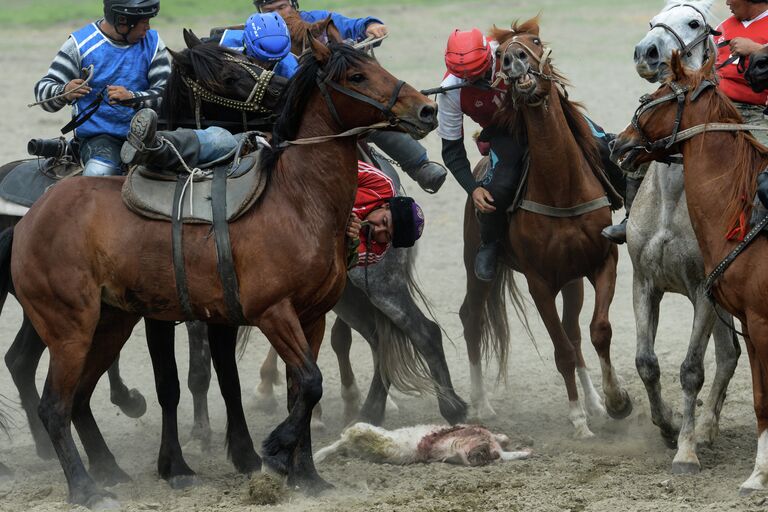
101 156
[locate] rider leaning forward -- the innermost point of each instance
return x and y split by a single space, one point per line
745 32
129 61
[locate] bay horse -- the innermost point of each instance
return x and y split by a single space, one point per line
108 267
553 253
666 257
671 120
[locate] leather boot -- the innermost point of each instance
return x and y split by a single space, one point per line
146 146
411 156
618 232
430 176
491 229
762 187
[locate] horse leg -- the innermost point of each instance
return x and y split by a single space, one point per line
565 354
341 341
130 401
112 332
198 382
288 448
573 300
223 342
617 400
692 379
171 465
22 359
471 315
646 299
265 391
756 335
727 352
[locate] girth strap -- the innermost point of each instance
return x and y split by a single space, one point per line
179 269
225 261
572 211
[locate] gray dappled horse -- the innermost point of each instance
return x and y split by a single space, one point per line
666 256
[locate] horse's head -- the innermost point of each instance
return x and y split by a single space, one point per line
757 72
681 102
681 26
323 31
355 91
523 62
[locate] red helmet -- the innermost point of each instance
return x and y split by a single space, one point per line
468 54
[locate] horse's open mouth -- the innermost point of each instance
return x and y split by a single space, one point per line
525 84
627 159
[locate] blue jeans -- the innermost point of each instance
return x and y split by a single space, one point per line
100 156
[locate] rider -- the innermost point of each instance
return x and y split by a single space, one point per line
745 32
470 58
387 219
266 39
129 61
409 154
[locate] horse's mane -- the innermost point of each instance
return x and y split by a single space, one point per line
301 86
206 62
507 117
748 157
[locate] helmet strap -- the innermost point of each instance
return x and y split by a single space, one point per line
123 35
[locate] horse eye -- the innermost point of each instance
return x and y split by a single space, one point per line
694 24
537 42
357 78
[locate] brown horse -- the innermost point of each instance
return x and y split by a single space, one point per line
720 169
554 250
299 29
86 288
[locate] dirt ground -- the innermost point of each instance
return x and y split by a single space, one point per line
624 468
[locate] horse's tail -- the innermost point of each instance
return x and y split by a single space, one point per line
6 285
494 331
400 364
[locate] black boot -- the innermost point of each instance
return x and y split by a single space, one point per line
618 232
409 154
491 230
762 187
146 146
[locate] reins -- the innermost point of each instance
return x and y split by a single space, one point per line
88 78
542 61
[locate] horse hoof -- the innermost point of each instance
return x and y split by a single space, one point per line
111 476
311 486
180 482
133 406
102 503
266 404
747 491
197 446
685 468
623 410
277 463
45 450
670 439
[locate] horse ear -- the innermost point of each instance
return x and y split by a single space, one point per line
333 33
676 65
708 69
318 49
191 39
499 34
181 59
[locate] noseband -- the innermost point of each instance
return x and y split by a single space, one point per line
647 103
542 61
687 49
253 104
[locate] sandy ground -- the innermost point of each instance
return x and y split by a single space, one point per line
625 468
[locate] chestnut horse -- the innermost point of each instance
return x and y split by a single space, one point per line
554 253
87 287
716 190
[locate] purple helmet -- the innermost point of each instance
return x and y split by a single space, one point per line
266 37
407 221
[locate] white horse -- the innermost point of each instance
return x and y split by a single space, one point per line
666 257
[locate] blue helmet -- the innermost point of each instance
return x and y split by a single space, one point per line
266 37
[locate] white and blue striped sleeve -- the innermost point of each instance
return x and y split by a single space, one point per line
159 71
64 68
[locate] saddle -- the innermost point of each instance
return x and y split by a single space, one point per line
156 195
29 179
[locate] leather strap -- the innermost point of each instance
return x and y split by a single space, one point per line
225 261
573 211
179 269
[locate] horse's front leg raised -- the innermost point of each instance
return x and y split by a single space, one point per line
727 352
130 401
617 400
565 353
692 379
288 449
646 299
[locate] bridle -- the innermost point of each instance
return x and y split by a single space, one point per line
687 49
201 94
542 62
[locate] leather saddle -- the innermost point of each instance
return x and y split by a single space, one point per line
28 180
154 194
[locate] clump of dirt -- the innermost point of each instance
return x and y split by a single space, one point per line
265 489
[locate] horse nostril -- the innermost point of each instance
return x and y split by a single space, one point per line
507 61
652 54
427 113
522 55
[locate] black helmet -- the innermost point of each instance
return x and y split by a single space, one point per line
261 3
129 12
